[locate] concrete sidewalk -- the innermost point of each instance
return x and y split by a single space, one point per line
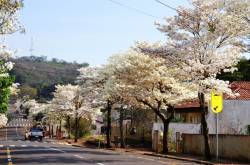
148 152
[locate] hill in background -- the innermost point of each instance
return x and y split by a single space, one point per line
38 76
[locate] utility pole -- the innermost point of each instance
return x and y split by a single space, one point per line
31 46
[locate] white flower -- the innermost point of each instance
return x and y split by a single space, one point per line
4 75
3 120
9 65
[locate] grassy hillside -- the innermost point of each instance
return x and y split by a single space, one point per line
38 76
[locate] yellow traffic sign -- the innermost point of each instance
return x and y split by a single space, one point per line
216 102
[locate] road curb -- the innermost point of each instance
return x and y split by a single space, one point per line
180 158
160 155
74 145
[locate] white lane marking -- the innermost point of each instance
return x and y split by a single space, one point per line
6 133
1 146
17 133
32 149
79 156
23 145
100 163
45 142
9 156
145 158
55 149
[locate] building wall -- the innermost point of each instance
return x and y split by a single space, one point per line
233 119
235 147
178 127
191 117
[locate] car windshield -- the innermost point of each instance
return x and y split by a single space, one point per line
36 130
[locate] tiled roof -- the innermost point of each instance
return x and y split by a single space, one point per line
240 87
190 104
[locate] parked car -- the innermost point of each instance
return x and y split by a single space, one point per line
34 133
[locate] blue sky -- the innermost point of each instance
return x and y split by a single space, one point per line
87 30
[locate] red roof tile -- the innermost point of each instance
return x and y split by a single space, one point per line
240 87
190 104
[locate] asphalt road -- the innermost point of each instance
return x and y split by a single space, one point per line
14 150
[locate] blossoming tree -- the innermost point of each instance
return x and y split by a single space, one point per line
204 41
8 24
68 101
92 81
145 81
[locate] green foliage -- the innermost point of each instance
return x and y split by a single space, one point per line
242 74
177 120
38 117
38 75
28 91
5 83
84 126
248 129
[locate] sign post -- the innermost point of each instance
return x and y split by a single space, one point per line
216 107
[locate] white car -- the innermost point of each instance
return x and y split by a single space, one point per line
34 133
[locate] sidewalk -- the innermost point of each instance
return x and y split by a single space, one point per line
169 156
148 152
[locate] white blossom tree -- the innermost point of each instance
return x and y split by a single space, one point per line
146 81
204 41
92 82
8 24
97 84
3 120
68 100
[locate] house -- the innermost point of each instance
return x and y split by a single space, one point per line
234 119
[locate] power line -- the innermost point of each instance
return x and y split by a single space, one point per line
166 5
170 7
134 9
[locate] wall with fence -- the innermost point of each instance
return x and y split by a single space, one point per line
235 147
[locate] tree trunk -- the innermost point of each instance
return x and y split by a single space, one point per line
60 126
204 126
76 129
166 122
69 127
108 132
143 136
122 141
52 131
57 130
49 130
165 137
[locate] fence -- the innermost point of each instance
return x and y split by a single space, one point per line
142 137
234 147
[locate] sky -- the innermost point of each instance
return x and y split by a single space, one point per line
88 30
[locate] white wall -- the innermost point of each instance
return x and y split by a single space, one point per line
233 119
179 127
